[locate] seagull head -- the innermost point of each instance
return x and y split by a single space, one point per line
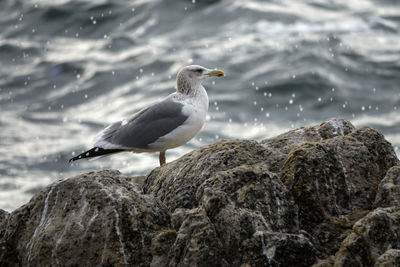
191 77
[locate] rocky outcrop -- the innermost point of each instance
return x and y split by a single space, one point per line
389 189
3 216
371 237
335 181
95 219
389 259
323 195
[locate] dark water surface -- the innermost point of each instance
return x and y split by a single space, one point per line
68 68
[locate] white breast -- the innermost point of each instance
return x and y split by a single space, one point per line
195 107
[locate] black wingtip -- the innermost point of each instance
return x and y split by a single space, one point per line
80 156
94 152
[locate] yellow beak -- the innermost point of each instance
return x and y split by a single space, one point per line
217 73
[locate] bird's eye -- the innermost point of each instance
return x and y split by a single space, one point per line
199 70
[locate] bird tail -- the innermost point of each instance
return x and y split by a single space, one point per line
95 152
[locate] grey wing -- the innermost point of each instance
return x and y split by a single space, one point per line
146 126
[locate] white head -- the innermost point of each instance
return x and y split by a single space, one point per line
190 77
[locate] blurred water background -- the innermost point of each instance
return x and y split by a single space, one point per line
70 67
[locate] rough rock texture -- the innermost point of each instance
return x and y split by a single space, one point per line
389 189
3 216
334 180
372 236
389 259
98 218
279 147
320 195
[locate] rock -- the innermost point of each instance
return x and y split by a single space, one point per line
389 259
99 218
314 196
279 147
3 216
372 236
3 219
253 189
389 189
333 180
234 208
176 183
160 247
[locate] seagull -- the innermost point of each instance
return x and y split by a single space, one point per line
167 124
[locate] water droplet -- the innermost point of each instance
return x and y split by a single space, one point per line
94 22
267 114
291 101
362 108
78 76
319 99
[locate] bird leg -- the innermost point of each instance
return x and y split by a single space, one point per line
162 158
